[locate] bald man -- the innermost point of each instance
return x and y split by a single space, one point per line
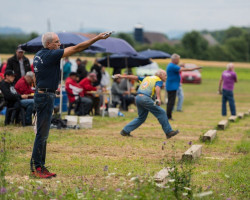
150 89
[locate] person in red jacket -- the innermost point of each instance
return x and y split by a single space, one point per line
75 94
23 85
87 86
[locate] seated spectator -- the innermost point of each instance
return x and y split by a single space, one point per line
13 99
66 68
23 85
81 69
120 96
2 102
87 86
76 95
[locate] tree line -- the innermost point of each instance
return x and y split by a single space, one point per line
233 44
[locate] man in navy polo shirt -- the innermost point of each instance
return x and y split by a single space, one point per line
173 81
47 71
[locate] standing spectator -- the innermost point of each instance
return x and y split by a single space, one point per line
97 69
47 71
76 95
105 81
19 64
180 94
150 89
66 68
13 99
81 69
228 78
173 81
87 85
23 85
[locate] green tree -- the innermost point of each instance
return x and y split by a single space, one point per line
127 37
237 48
233 32
195 45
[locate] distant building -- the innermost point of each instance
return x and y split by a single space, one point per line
138 33
210 39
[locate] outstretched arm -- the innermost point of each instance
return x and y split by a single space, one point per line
189 69
131 77
80 47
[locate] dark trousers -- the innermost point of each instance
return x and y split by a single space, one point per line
44 104
171 102
228 95
96 103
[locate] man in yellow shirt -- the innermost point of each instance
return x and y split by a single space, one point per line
150 89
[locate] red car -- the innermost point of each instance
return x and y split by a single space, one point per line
191 76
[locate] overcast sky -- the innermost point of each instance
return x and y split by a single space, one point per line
122 15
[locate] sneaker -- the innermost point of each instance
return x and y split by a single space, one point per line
46 171
172 133
123 133
39 173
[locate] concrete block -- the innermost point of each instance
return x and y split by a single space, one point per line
86 122
71 120
162 175
233 118
241 115
210 135
192 153
222 124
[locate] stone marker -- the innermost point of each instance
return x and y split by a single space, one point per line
192 153
161 176
233 118
223 124
210 135
241 115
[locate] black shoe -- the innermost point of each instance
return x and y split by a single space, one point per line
171 119
123 133
172 133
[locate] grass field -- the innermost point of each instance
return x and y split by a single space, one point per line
98 163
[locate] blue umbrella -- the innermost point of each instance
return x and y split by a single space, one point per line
124 61
66 39
115 45
154 54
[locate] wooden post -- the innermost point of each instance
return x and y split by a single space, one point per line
192 153
210 135
233 118
222 124
241 115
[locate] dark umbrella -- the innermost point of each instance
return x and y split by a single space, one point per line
66 39
124 61
115 45
154 54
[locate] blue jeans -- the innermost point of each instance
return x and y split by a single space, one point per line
180 96
228 95
44 104
28 104
144 105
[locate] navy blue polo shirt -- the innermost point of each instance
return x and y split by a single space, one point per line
47 68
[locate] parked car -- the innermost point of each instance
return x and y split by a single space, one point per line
191 76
